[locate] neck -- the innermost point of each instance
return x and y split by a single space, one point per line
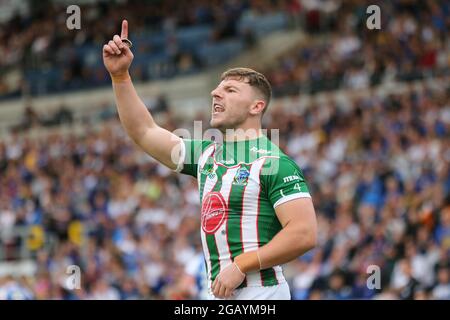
242 134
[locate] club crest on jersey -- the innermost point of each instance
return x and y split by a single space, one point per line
209 172
214 212
241 177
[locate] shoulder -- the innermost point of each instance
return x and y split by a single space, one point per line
197 146
198 142
282 170
280 163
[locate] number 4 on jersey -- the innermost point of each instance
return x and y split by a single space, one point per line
296 187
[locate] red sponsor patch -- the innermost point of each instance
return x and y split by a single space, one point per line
214 212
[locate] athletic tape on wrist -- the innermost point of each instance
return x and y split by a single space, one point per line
238 268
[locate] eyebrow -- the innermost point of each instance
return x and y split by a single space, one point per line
230 86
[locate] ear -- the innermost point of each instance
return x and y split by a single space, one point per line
257 107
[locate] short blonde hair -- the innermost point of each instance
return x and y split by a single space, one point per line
254 79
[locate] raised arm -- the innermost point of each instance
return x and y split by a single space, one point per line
158 142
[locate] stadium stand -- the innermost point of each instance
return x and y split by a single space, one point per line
171 38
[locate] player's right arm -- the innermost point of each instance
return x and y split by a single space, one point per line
158 142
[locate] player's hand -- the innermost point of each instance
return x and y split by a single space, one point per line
227 280
117 56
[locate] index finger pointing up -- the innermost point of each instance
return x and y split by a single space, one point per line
124 33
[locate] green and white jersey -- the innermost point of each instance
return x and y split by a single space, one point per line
240 184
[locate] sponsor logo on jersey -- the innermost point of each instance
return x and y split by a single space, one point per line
262 151
290 178
214 212
229 161
241 177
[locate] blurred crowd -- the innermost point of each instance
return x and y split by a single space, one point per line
40 42
379 170
377 167
412 44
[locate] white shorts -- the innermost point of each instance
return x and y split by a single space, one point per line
278 292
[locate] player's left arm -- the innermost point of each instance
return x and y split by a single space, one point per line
298 236
289 194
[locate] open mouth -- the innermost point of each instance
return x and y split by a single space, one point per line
217 108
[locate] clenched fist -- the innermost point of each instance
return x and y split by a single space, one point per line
117 56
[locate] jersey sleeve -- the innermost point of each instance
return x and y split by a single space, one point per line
190 152
286 183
